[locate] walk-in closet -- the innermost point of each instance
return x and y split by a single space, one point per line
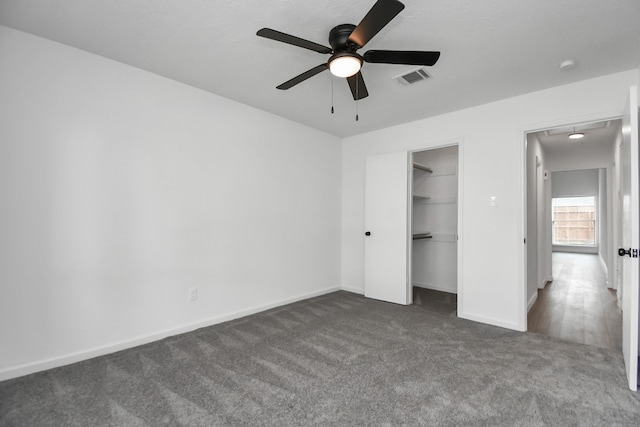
434 221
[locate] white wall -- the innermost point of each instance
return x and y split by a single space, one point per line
572 157
121 190
493 288
604 223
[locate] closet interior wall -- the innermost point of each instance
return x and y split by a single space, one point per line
434 219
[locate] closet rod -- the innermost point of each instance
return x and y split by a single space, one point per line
422 236
422 167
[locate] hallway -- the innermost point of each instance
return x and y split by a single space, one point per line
577 306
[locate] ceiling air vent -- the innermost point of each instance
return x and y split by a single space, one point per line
413 77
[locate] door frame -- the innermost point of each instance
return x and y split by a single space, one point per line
459 142
522 176
630 238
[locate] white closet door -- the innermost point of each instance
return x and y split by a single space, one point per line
386 223
630 238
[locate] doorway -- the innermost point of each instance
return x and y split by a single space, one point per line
571 233
434 229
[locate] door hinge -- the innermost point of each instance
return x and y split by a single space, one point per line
525 240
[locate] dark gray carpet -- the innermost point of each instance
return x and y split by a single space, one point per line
338 359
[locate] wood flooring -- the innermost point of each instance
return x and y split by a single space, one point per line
577 306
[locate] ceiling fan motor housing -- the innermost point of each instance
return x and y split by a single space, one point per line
339 38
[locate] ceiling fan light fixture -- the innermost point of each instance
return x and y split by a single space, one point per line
345 64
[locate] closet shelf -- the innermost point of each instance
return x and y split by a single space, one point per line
417 198
422 168
435 200
419 236
443 237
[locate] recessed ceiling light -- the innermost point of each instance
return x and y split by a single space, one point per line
567 65
576 135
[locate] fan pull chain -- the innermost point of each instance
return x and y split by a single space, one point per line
357 98
332 110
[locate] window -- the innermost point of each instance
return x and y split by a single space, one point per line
574 221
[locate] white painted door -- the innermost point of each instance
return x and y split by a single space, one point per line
630 238
386 228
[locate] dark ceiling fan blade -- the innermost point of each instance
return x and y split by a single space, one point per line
380 15
357 86
296 41
408 57
302 77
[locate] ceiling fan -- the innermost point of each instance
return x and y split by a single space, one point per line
345 40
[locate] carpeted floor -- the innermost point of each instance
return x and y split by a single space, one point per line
339 359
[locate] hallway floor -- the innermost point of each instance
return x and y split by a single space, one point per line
577 306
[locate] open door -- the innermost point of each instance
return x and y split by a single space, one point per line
630 238
386 228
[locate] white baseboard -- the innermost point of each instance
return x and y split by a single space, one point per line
353 290
545 282
575 249
604 266
55 362
491 321
532 300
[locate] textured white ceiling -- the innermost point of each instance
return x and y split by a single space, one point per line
491 49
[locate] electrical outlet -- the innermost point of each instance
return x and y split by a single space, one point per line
193 294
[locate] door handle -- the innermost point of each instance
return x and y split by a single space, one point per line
368 233
633 253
